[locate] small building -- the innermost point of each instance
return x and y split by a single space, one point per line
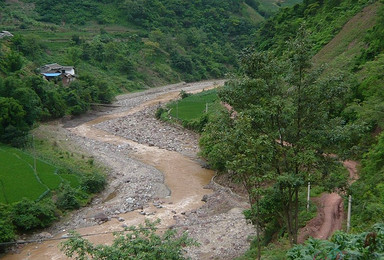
4 34
57 72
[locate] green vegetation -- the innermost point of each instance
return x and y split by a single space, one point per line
142 242
350 101
192 111
56 187
289 113
323 19
28 215
115 47
18 171
368 191
285 124
192 107
366 245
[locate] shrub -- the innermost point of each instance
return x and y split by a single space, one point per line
183 94
27 214
93 183
159 112
67 198
7 232
142 242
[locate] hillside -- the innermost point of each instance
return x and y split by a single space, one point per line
306 88
139 43
343 49
114 47
313 81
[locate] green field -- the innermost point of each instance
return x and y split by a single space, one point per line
194 106
18 178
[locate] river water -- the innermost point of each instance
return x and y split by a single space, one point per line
184 177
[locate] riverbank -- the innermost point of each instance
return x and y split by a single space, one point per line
153 172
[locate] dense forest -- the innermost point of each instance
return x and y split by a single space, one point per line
115 47
305 81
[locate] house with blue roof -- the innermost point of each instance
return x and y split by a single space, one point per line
58 73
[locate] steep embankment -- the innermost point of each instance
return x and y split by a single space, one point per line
343 48
339 53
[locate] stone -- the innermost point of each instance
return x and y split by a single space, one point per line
101 217
45 235
130 200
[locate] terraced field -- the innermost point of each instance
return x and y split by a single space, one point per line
194 106
23 176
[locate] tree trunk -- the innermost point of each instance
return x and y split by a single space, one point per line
296 227
288 208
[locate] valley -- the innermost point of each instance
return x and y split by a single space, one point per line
153 182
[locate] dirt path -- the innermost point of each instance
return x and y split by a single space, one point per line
330 213
148 179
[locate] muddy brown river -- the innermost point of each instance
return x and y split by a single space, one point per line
183 176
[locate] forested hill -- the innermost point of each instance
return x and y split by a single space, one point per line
312 79
115 46
323 19
148 42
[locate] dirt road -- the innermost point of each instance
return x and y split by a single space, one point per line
153 172
330 214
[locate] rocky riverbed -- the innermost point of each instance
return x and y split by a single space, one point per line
153 172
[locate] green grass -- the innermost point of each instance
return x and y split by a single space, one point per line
18 178
194 106
72 179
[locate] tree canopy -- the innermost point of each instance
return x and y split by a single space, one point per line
284 128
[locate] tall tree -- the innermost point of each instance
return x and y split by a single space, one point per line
284 126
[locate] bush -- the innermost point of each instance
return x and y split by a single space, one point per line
197 124
7 232
142 242
67 198
366 245
93 183
159 112
183 94
27 215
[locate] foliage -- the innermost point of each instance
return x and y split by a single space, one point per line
159 112
366 245
93 182
12 124
322 18
368 191
27 215
183 94
67 197
135 43
59 183
142 242
283 127
7 232
197 124
373 41
27 99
